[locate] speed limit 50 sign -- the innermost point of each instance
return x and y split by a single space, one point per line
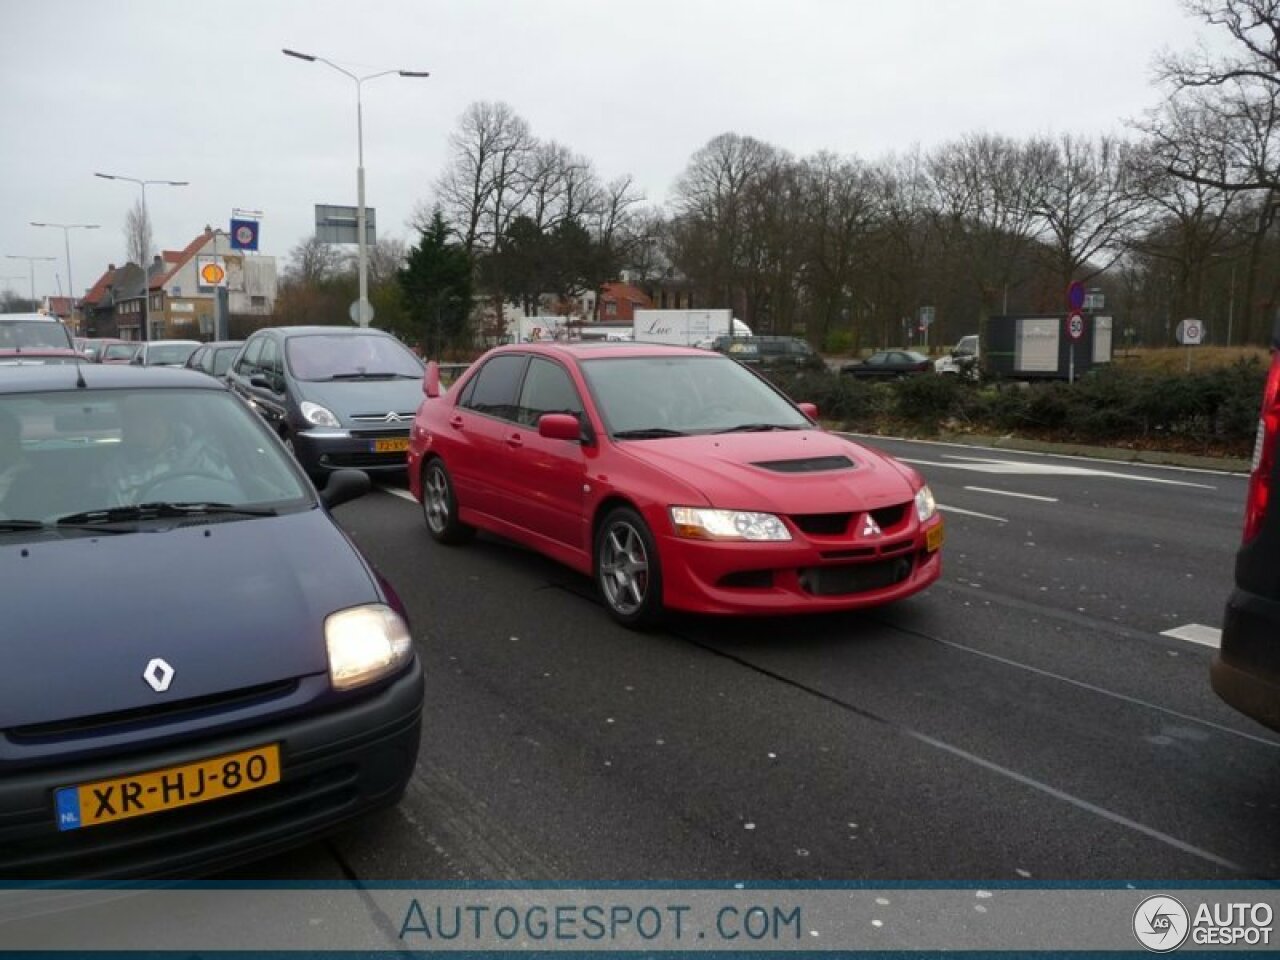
1075 326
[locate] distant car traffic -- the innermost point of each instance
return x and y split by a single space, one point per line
93 347
890 364
675 477
770 353
1246 669
230 676
337 396
164 353
214 358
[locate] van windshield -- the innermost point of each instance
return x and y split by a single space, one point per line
350 357
33 334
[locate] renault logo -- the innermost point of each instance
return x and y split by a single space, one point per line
158 675
869 526
392 418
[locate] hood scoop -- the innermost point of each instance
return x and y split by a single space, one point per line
806 465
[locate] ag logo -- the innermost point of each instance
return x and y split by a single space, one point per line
1161 924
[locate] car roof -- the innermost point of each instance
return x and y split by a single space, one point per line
222 344
101 377
162 343
13 317
592 349
315 329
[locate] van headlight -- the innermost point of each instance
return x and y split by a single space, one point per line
925 505
700 523
365 644
317 415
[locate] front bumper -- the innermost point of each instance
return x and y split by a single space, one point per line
320 450
801 576
335 765
1246 670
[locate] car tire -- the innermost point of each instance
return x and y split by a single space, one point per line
440 506
627 569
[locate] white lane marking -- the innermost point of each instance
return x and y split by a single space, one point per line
971 513
1016 468
399 492
1010 493
1196 633
1051 456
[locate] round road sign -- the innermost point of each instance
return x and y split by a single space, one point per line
1075 295
361 317
1190 333
1075 326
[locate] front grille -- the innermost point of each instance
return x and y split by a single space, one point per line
806 465
887 517
382 417
359 460
822 524
104 723
855 577
748 580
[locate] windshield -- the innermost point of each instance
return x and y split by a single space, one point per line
73 452
120 351
222 358
684 395
28 334
354 356
159 354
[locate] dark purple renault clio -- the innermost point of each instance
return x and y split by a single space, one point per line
200 667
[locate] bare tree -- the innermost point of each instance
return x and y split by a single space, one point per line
137 234
386 257
487 175
1241 89
313 262
1086 203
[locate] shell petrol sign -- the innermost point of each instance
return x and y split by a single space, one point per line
211 271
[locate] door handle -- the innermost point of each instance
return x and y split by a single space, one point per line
455 422
514 441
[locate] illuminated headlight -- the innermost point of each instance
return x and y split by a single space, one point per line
699 523
320 416
365 644
925 505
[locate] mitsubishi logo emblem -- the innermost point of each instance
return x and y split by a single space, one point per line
869 526
392 417
158 675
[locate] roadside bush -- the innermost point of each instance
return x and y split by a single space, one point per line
838 342
928 400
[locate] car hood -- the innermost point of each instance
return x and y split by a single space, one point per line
227 605
801 475
348 398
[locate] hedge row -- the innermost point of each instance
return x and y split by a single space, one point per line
1213 411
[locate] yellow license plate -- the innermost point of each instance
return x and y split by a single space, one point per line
398 445
933 539
105 801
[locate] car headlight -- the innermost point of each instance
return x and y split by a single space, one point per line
365 644
700 523
320 416
925 505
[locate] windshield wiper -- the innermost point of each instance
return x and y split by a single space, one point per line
159 510
648 433
760 427
7 526
388 375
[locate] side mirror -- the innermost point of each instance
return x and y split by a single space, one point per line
431 381
264 382
810 410
344 486
559 426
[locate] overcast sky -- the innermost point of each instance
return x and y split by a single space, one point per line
201 92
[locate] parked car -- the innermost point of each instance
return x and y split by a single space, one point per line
214 358
338 396
890 364
164 353
678 479
770 353
25 331
93 347
120 351
1246 669
213 693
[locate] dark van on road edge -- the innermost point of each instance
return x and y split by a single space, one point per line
1246 670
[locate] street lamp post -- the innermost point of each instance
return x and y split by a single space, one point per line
362 310
31 266
66 229
1231 295
146 273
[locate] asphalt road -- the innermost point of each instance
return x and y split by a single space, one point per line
1024 718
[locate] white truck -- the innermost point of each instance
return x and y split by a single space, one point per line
962 361
686 328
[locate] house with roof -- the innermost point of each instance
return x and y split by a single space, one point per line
619 301
113 305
